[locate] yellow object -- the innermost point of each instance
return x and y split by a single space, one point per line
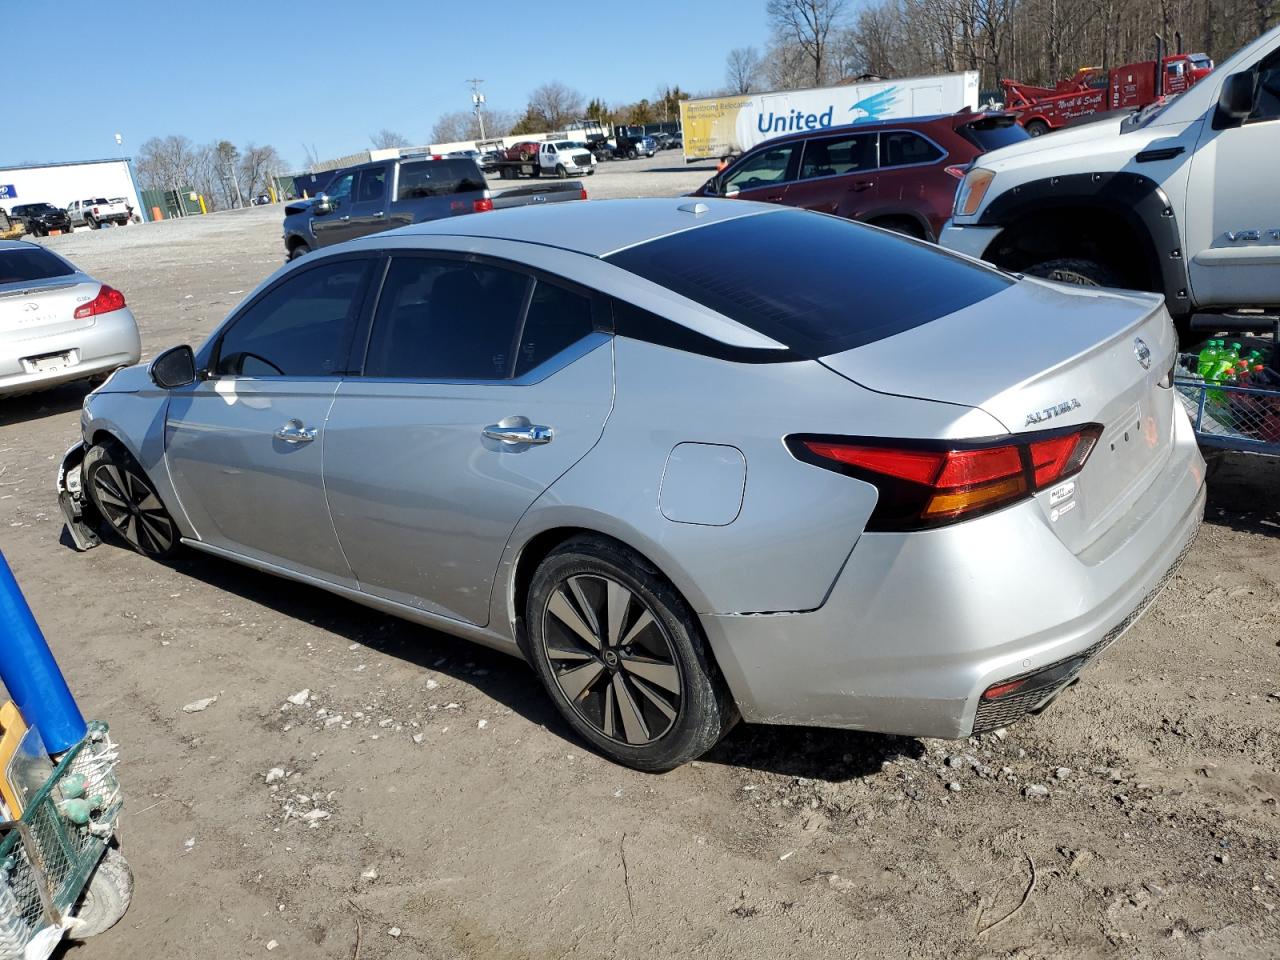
274 198
12 729
203 208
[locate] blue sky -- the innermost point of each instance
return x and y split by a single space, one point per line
242 71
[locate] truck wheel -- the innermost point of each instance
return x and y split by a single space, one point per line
561 172
1081 273
1037 128
106 898
301 250
505 173
632 153
535 171
92 223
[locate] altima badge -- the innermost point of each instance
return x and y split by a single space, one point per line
1142 352
1048 413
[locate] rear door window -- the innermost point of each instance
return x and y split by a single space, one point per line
439 178
21 265
902 148
446 319
818 285
832 156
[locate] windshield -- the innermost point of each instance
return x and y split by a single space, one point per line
36 208
1200 61
1139 119
565 145
24 265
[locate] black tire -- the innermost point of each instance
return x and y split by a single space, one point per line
632 153
1037 128
127 501
1080 273
92 223
298 250
591 172
561 172
648 650
902 225
505 173
106 898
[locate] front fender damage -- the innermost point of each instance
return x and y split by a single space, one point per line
81 516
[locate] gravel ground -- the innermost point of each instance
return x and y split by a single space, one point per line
458 817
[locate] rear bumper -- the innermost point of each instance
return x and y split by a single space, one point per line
111 342
919 625
972 241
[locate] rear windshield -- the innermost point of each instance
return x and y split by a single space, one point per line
22 266
101 200
992 133
816 284
437 178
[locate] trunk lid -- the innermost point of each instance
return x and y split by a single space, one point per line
1041 356
43 308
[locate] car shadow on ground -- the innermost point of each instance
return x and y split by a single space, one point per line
47 403
1244 493
835 755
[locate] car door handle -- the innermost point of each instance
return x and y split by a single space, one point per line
378 214
860 185
519 433
345 218
295 432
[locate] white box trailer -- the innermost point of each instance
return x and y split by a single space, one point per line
716 127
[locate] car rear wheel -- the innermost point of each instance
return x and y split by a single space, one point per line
632 153
125 498
298 250
92 223
1081 273
622 656
561 172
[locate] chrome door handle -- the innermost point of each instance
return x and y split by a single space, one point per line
513 431
345 219
378 214
295 432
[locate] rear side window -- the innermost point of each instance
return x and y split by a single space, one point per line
300 328
992 133
816 284
831 156
557 318
21 266
439 178
444 319
902 148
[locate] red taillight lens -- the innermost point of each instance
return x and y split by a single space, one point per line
584 193
957 170
924 485
481 206
108 299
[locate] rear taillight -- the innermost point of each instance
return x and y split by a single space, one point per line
108 299
95 211
957 170
584 194
481 206
925 485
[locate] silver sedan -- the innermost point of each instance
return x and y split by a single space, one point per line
694 461
57 323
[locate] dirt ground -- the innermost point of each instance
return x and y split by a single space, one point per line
461 819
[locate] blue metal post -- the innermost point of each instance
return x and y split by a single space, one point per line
31 675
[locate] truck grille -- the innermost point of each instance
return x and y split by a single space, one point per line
993 714
582 159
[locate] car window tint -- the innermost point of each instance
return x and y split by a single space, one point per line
902 148
818 285
992 133
373 185
22 265
439 178
762 168
835 155
300 328
441 319
557 318
1266 105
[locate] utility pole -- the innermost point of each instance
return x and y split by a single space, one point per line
477 101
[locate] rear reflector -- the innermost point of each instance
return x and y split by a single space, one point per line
108 299
923 484
481 206
1003 689
584 193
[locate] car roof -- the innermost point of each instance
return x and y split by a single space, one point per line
948 120
595 228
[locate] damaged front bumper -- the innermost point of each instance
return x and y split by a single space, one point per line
82 519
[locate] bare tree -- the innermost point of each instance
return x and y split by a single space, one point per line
556 104
385 139
165 162
741 69
807 24
462 125
257 166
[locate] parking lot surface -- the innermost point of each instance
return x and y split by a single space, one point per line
363 780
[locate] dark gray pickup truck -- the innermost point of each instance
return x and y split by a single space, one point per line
386 194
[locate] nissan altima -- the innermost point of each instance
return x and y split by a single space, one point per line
694 460
57 323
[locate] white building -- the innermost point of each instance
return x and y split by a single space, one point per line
61 183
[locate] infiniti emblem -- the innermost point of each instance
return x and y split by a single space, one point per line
33 306
1142 352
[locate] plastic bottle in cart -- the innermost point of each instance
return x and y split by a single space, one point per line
1208 358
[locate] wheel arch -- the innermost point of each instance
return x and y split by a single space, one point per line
882 218
1126 214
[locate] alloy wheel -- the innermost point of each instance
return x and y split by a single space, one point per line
612 659
133 509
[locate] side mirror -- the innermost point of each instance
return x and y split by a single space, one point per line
176 367
730 193
322 205
1235 102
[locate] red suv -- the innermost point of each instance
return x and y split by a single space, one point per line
900 174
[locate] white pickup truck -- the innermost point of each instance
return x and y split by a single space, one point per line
94 213
1179 198
555 158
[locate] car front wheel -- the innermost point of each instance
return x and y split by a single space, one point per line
124 497
623 657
